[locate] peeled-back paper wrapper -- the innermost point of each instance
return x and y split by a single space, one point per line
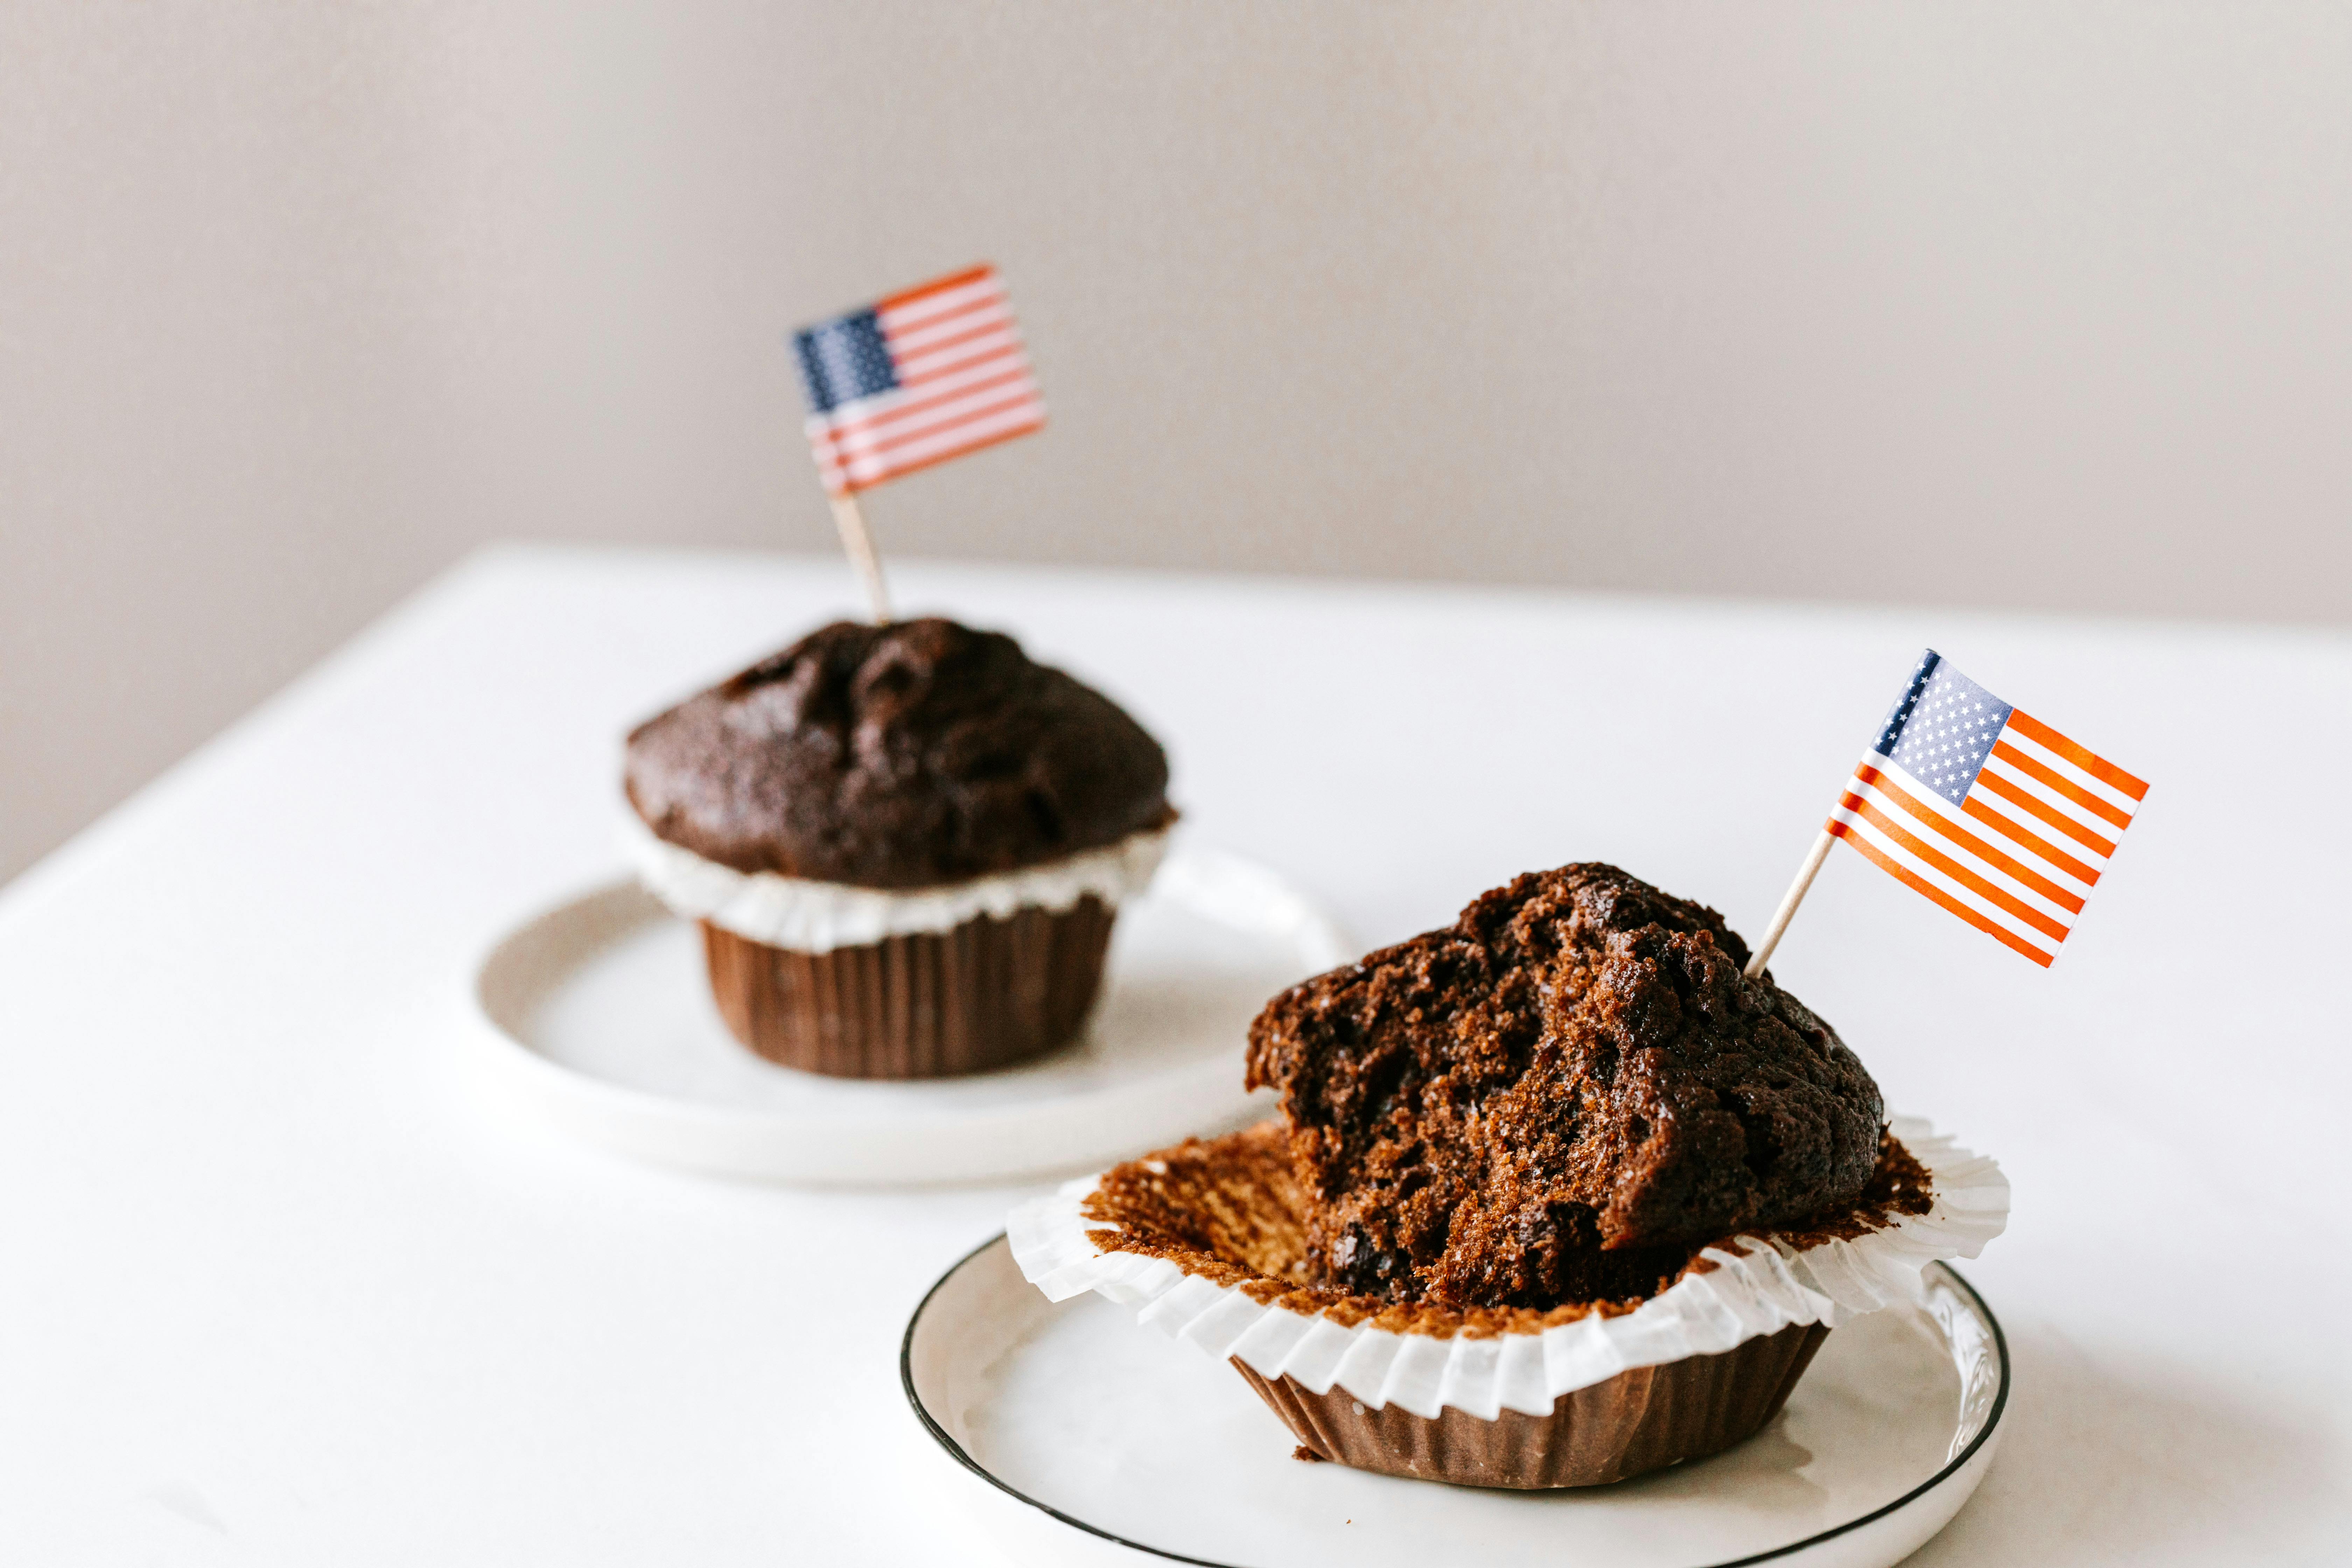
1761 1290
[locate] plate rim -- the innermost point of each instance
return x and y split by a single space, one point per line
1951 1468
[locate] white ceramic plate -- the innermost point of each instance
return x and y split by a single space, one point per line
600 1019
1080 1437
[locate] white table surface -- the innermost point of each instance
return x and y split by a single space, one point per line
282 1286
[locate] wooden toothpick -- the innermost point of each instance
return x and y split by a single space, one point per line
1795 896
859 543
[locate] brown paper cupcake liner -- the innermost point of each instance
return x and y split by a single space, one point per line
981 994
1641 1419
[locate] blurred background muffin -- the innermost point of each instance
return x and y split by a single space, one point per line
906 844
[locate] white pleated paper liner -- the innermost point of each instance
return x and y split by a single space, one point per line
809 916
1770 1287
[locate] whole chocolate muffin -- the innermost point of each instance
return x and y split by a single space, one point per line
904 756
906 844
1555 1097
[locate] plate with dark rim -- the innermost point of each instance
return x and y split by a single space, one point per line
1075 1436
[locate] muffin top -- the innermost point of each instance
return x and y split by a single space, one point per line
1555 1096
905 755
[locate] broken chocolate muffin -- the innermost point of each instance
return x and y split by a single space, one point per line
1556 1099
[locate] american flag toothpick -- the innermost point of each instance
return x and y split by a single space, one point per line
913 380
1985 809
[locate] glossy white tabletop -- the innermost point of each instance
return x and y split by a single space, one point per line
283 1286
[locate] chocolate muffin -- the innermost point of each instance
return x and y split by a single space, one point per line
1555 1097
1556 1197
906 844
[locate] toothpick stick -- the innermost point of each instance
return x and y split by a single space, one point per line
1795 895
855 540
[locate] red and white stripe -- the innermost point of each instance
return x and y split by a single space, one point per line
964 384
2019 855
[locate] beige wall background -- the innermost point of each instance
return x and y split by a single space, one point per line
2040 304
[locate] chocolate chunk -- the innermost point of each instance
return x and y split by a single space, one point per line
1554 1097
908 755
